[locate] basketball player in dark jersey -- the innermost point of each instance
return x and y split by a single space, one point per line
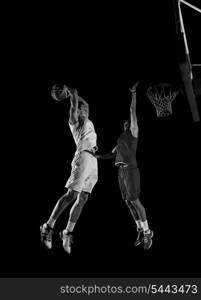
129 175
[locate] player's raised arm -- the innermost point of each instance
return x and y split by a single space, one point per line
82 101
74 107
133 116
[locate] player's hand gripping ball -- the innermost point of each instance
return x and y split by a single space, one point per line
59 92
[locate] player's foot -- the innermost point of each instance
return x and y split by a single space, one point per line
67 239
46 235
140 237
148 239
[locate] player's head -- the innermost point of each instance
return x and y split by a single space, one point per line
83 111
126 125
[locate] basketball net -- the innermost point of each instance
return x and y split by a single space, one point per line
162 96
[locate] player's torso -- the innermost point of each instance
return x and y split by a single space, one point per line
84 136
126 149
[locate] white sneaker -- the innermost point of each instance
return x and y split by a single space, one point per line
67 239
46 235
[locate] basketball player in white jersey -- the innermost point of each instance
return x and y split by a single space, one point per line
84 173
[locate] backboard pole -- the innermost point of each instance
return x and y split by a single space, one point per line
185 39
191 6
184 62
188 87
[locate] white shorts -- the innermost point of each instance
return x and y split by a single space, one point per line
84 173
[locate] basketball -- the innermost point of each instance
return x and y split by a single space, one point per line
58 92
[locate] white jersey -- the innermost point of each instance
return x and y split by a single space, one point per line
85 137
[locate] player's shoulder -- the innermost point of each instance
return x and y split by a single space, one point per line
89 123
73 124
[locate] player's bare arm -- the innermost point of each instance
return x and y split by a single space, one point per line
133 116
109 155
74 107
82 101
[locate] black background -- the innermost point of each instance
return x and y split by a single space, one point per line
101 50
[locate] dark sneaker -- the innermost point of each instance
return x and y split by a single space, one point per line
140 237
46 235
148 239
67 239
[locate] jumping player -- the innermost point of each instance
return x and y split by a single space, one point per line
84 173
129 175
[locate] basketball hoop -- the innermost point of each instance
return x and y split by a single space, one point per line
161 96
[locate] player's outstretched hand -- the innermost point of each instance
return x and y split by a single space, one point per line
134 87
75 93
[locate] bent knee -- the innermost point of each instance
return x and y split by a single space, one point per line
128 203
134 199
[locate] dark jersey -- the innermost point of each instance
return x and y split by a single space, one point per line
126 149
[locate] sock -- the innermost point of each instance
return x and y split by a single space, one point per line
51 222
145 226
70 226
138 223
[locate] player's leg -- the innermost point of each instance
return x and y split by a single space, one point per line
122 178
61 205
74 185
147 233
47 228
67 234
87 180
132 184
142 214
135 215
122 175
76 210
90 178
138 222
133 189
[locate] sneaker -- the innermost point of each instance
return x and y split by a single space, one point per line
148 239
67 239
46 235
140 237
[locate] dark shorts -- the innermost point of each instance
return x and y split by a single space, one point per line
129 182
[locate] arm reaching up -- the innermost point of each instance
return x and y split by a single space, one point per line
82 101
74 107
79 107
133 116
